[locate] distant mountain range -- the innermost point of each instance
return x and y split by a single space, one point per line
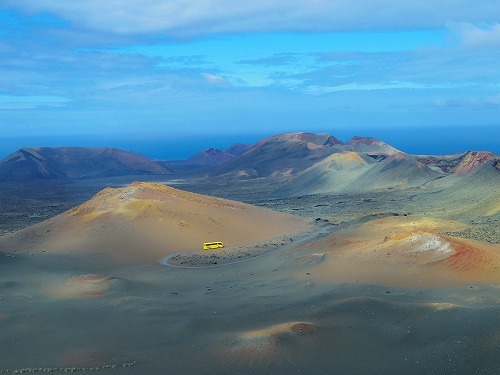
74 163
291 153
205 160
283 154
310 163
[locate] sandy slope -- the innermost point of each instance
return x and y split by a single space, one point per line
146 221
375 295
405 251
386 296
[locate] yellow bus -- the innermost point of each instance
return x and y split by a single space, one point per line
212 245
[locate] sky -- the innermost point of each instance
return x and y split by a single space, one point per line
168 78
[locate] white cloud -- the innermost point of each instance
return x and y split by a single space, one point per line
195 17
474 102
391 85
214 80
31 101
472 36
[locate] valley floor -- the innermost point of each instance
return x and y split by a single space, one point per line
352 299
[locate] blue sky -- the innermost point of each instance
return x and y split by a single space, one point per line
424 77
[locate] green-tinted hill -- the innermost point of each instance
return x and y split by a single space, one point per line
358 172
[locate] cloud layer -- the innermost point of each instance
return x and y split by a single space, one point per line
189 18
220 66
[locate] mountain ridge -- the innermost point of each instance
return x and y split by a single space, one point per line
286 155
281 154
32 163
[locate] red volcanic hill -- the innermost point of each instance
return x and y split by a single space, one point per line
74 163
210 157
282 154
468 162
471 161
143 222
